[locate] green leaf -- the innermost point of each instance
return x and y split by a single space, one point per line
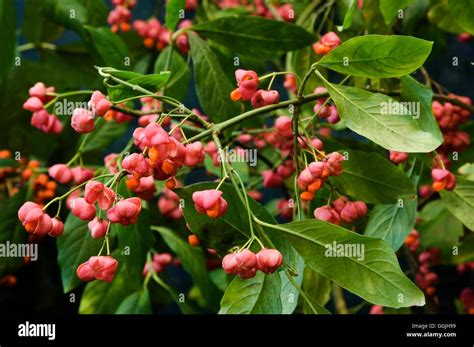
136 303
368 267
103 135
390 8
317 287
213 88
255 36
75 246
463 12
439 228
7 37
110 47
392 223
151 82
11 231
349 14
372 178
288 293
194 262
460 202
101 297
465 251
441 15
413 91
378 56
134 241
257 295
36 27
173 8
371 115
180 77
68 13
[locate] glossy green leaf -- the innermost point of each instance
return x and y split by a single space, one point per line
180 73
317 287
460 202
257 295
390 8
392 222
349 14
110 47
463 11
413 91
36 26
366 267
372 178
441 16
213 88
134 242
75 246
378 56
288 293
71 14
466 250
11 231
173 10
136 303
103 135
151 82
194 262
252 35
373 115
439 228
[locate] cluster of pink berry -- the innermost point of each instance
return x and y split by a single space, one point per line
245 263
164 155
260 8
450 117
325 111
119 17
38 222
41 119
63 174
82 119
425 278
312 178
247 89
157 36
341 209
327 43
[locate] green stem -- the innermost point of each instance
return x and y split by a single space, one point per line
253 113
